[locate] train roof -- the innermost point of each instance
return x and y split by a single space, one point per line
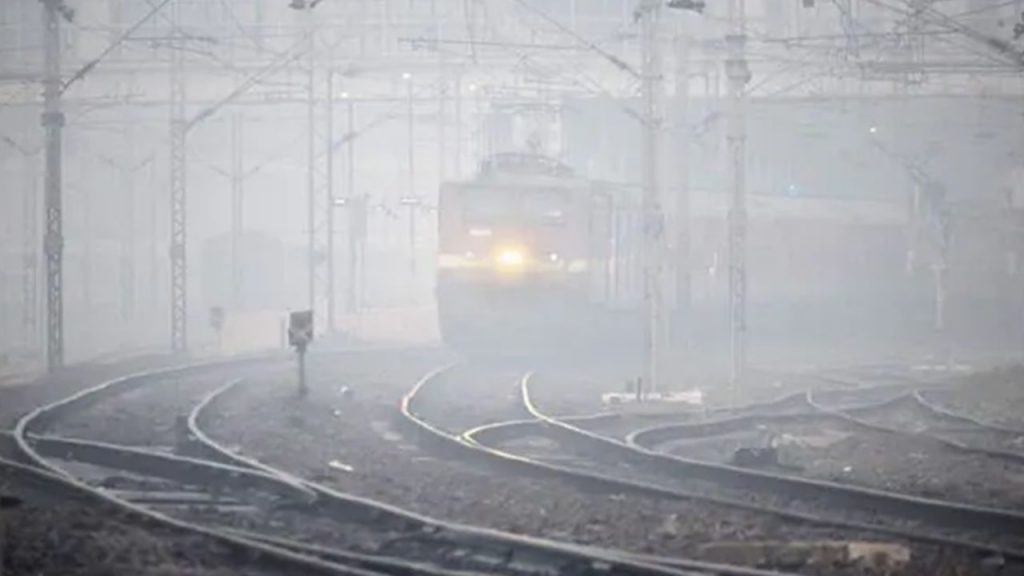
522 170
515 166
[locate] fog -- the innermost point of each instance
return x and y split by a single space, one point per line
881 170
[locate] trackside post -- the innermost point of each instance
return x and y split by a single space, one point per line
217 323
300 334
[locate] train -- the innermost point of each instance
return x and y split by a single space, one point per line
524 254
534 257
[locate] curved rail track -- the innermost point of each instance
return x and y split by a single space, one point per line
607 464
914 415
894 410
409 544
497 550
864 416
405 542
467 445
213 477
198 482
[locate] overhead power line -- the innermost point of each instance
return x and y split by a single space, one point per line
615 60
244 87
90 65
999 46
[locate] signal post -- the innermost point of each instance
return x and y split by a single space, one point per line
300 335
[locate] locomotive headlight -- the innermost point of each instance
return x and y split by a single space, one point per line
510 258
554 257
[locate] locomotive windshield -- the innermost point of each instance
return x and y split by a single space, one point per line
489 207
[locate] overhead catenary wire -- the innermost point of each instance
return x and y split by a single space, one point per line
996 48
84 70
612 58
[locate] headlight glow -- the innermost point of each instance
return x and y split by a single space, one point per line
510 258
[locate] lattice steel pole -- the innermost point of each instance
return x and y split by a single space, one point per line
178 248
53 243
653 213
411 156
442 105
127 248
351 302
311 202
738 75
29 286
320 181
458 124
682 319
329 206
237 207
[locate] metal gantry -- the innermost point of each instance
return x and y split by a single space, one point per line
737 74
412 199
355 241
321 194
237 207
320 177
442 109
327 237
127 249
30 280
653 214
178 169
53 243
681 254
311 205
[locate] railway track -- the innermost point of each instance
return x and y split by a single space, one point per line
253 508
892 417
159 489
495 548
601 463
210 490
1008 438
466 445
915 415
839 393
886 414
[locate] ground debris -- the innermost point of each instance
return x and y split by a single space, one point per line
75 540
669 527
756 457
880 558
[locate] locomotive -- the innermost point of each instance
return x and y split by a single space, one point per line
524 254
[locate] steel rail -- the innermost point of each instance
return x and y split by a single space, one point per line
855 417
368 561
653 436
571 558
180 469
932 406
950 514
35 459
193 471
659 434
801 402
466 445
754 414
908 507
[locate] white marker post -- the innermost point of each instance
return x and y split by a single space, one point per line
300 334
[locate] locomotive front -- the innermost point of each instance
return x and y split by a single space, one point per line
513 258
